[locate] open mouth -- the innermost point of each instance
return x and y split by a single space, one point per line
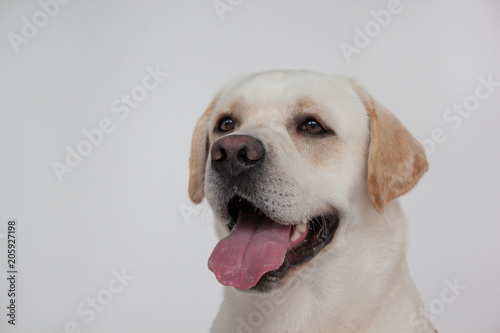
259 251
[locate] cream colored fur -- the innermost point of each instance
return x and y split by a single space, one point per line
360 281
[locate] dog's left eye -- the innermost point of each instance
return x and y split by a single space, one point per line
312 126
226 124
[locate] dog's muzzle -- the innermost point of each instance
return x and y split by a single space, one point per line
260 249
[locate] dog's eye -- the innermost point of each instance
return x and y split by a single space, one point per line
312 126
226 124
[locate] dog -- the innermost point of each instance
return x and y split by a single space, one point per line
302 171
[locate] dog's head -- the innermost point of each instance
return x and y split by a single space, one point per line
282 157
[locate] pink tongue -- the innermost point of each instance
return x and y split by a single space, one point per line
255 246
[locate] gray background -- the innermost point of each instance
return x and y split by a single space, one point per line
125 206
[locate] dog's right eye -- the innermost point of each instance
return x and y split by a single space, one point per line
312 126
226 124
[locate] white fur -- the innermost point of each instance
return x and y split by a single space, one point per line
360 281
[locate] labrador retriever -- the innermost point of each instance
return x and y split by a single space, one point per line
302 171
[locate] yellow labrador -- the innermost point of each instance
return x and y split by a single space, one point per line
302 170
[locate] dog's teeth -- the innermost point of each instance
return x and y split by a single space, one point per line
295 236
297 231
301 227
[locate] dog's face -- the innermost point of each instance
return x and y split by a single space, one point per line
283 158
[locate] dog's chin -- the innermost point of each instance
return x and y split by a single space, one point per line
320 233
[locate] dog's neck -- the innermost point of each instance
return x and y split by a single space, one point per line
330 293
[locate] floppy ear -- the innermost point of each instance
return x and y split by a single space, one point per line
199 155
396 159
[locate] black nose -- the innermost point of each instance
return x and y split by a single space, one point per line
236 153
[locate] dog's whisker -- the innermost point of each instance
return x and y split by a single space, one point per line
280 184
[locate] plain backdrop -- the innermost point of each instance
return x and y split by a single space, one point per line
124 208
